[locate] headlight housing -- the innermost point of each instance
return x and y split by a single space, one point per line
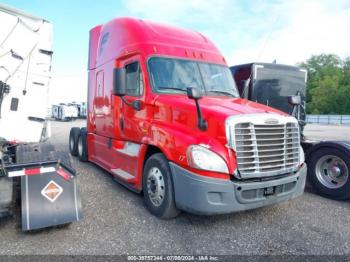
203 158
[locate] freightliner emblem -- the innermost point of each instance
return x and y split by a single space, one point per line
271 121
52 191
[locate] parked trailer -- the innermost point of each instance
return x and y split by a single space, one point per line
65 112
165 118
46 181
284 87
82 109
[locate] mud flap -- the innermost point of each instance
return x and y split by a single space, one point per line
49 200
49 192
6 192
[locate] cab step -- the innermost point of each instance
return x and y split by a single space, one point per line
123 175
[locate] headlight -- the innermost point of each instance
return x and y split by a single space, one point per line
203 158
301 156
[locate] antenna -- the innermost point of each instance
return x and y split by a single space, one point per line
268 36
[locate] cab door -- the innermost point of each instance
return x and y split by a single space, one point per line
133 121
99 103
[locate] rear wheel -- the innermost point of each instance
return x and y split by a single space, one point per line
73 140
158 187
82 146
328 172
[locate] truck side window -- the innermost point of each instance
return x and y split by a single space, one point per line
134 82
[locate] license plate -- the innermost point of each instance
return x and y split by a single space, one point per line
268 191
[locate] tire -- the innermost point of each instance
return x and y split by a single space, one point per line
329 173
165 208
82 146
73 140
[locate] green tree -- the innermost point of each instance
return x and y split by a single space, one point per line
328 86
346 71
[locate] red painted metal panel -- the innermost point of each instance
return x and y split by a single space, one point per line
94 37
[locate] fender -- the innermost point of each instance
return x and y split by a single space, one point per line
173 143
341 145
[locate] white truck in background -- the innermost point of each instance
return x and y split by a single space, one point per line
25 65
41 174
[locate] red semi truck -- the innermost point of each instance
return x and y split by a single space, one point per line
165 118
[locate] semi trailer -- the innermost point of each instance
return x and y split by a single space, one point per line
81 108
165 118
65 112
284 87
32 172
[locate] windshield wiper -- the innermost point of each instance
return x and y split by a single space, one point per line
171 88
221 92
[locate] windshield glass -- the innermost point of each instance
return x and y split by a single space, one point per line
175 75
273 86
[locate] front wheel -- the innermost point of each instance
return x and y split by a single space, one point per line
328 172
158 189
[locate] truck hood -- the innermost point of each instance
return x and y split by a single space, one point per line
235 106
218 107
181 112
175 123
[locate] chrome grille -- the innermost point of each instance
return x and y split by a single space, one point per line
265 150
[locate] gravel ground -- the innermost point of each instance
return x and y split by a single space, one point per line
117 222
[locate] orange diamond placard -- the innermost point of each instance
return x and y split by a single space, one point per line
52 191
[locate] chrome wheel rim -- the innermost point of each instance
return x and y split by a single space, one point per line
332 171
155 186
80 146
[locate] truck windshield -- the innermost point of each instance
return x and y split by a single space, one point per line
174 76
274 84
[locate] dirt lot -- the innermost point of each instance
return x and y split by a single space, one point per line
117 222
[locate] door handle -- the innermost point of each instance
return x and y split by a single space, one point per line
121 124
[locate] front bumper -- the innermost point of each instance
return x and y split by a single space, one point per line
202 195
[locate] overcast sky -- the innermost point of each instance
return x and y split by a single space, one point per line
244 31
